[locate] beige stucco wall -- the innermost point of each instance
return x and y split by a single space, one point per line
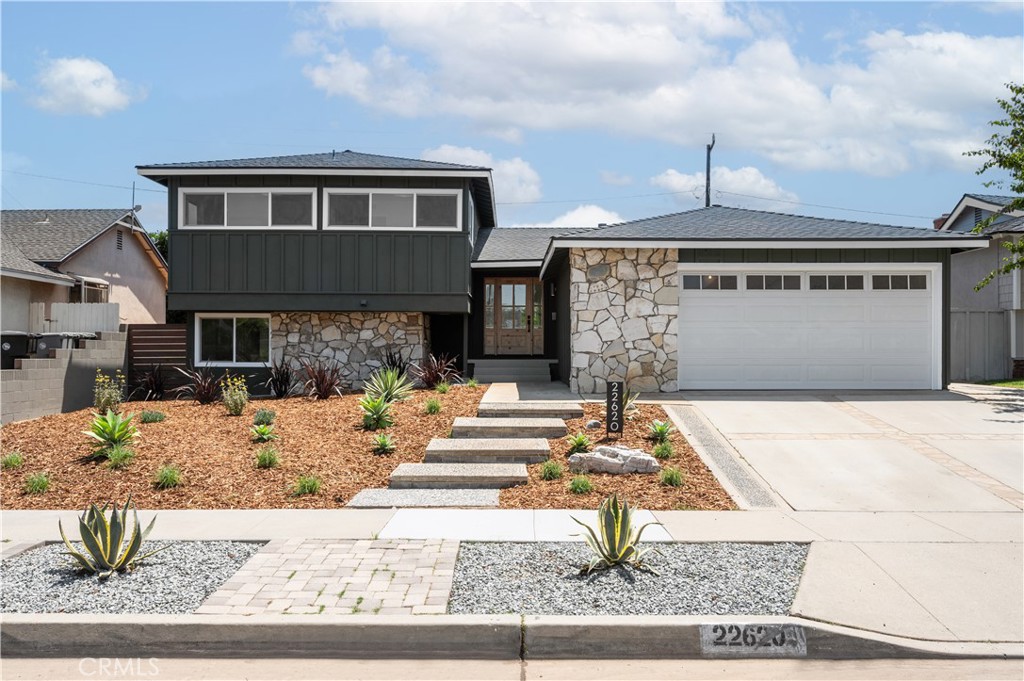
15 296
135 282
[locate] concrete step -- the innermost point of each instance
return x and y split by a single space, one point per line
425 498
476 427
504 410
513 378
510 370
487 450
458 475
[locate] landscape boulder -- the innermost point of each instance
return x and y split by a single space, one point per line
615 460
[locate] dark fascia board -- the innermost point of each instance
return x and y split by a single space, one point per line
943 242
318 302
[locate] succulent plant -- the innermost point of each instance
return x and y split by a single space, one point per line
112 430
110 545
616 541
390 384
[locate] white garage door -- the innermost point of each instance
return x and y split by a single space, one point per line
805 329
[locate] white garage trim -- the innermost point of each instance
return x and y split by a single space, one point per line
934 270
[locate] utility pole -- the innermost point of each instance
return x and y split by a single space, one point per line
707 174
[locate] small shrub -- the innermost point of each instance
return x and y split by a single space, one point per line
659 431
436 369
264 417
432 406
37 483
267 457
112 430
383 444
394 359
152 383
264 433
152 416
167 477
578 443
322 379
109 545
376 413
202 386
306 484
551 470
108 391
443 387
282 379
671 477
472 383
663 450
580 485
12 460
234 394
616 541
119 456
389 384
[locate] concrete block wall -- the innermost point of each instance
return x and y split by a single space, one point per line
64 382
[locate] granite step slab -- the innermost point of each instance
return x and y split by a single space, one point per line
517 427
424 498
458 475
558 410
487 450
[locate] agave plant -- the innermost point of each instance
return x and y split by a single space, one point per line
390 384
376 413
110 546
616 542
112 430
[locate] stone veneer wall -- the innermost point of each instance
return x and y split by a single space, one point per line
625 311
356 340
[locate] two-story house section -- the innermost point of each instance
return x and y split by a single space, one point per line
339 255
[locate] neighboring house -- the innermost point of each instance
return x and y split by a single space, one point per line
988 325
79 256
345 255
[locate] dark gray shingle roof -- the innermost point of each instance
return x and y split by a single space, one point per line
1011 225
995 199
351 160
724 224
13 261
504 244
52 235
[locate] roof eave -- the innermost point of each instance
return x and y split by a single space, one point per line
57 279
155 172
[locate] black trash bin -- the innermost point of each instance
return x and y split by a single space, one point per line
48 341
13 345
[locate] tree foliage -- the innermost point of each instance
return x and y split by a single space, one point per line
1004 150
160 240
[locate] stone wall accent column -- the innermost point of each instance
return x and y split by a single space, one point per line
356 340
625 311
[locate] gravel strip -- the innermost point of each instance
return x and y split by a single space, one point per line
695 579
175 581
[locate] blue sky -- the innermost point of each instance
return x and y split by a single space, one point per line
587 112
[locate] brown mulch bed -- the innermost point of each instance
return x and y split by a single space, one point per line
216 456
699 491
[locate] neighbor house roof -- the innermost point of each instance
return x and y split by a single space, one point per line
13 263
351 160
992 203
1004 226
517 244
994 199
53 235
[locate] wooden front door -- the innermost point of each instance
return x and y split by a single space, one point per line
513 316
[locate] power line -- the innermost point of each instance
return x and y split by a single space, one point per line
818 205
93 184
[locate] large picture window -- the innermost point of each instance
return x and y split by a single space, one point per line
237 208
393 209
231 340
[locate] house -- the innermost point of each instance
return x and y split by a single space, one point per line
344 255
988 325
79 256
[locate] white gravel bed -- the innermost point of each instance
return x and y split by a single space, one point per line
542 578
175 581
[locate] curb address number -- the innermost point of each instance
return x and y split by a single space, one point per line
752 640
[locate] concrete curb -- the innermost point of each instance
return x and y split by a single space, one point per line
496 637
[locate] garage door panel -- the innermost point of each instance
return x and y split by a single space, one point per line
901 343
900 311
836 340
846 311
774 313
827 373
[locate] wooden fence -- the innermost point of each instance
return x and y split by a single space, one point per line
153 345
68 317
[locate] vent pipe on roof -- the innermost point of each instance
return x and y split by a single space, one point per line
707 174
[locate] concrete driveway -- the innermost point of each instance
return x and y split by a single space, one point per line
877 451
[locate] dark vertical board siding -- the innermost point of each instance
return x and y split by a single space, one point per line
820 255
438 264
401 257
347 257
199 260
458 276
781 255
420 262
364 262
218 262
273 263
382 262
235 263
329 262
255 263
310 262
291 278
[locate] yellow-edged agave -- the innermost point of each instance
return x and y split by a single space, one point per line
105 540
616 541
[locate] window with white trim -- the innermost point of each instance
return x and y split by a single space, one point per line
237 340
709 282
393 209
773 282
899 282
248 208
836 282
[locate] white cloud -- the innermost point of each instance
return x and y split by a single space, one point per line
515 180
745 187
6 82
80 85
587 215
885 102
615 179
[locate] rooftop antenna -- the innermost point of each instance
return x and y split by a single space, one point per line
135 207
707 174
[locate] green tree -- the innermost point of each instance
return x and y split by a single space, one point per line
1004 150
160 239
